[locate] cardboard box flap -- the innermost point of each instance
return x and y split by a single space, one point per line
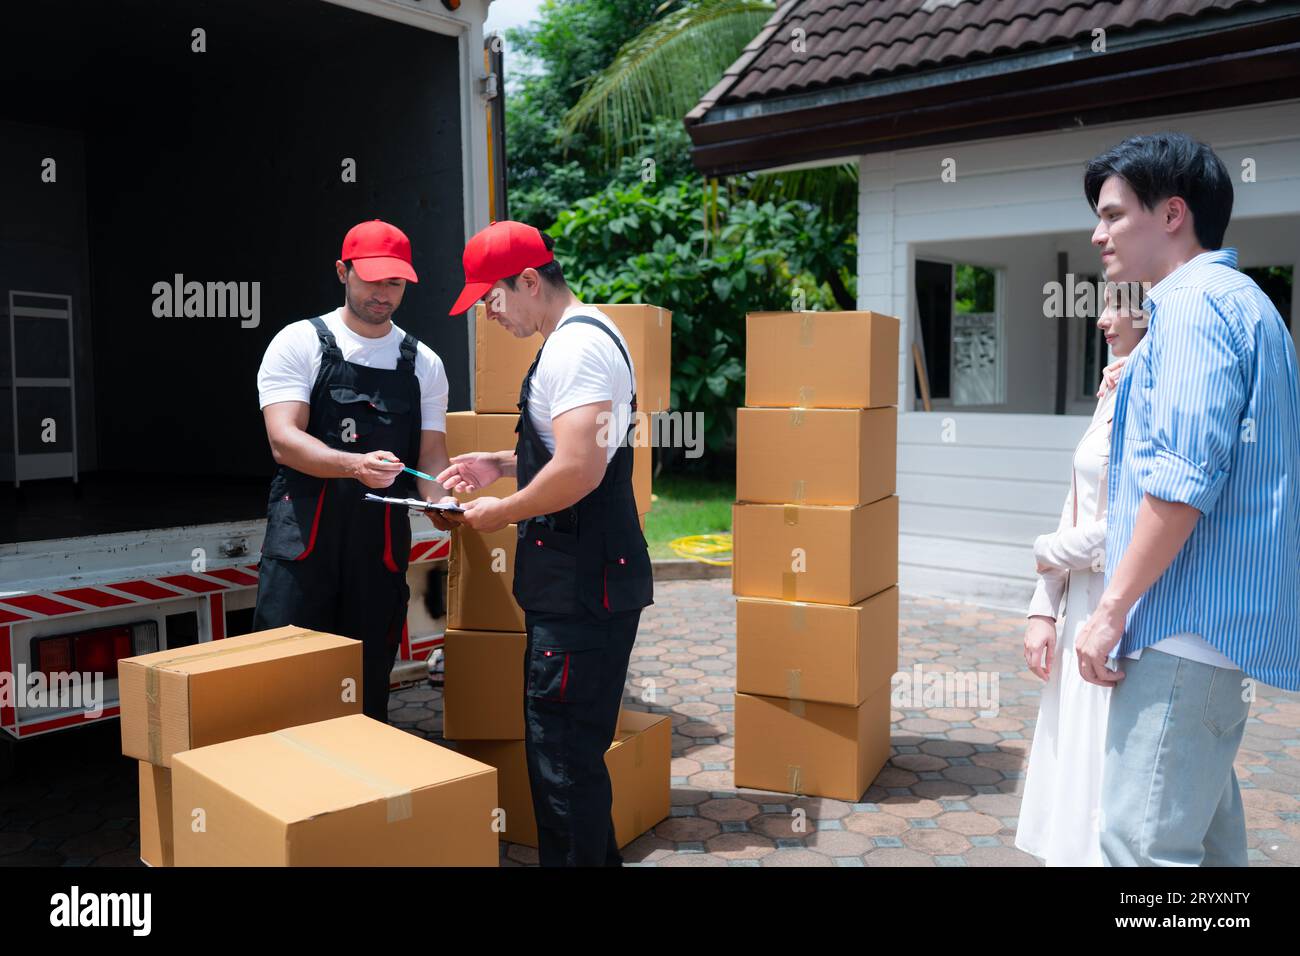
238 651
304 772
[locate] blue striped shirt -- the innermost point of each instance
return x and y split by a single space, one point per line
1208 414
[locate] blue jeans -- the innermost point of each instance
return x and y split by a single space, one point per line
1169 794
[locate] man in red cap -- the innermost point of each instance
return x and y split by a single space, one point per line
349 398
582 571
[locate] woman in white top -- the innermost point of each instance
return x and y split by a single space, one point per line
1059 811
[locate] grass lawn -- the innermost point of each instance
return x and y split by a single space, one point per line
686 506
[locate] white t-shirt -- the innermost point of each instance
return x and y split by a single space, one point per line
292 361
581 365
1191 646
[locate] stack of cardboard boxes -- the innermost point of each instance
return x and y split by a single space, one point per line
815 552
484 648
253 751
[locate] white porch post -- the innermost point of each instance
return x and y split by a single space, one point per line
882 263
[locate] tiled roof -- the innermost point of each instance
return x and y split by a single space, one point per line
846 41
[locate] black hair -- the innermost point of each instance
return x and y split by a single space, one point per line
1162 165
347 265
551 273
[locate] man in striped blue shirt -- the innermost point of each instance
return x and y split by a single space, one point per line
1202 591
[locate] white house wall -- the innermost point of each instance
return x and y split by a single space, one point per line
970 507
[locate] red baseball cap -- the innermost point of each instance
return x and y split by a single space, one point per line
378 250
502 250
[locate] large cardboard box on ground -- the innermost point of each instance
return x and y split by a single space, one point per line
345 792
821 359
189 697
474 431
483 690
639 763
824 750
822 553
480 578
816 456
501 360
156 847
471 431
816 652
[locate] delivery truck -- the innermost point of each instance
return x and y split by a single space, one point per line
176 177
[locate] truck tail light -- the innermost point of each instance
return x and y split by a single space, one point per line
93 651
52 655
99 651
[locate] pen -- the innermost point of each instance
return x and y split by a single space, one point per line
411 471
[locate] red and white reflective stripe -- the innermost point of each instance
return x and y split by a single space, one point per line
217 616
168 587
8 715
41 605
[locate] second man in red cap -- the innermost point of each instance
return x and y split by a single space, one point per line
582 570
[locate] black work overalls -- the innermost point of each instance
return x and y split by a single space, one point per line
332 561
582 576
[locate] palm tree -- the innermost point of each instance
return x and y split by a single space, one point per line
664 71
666 68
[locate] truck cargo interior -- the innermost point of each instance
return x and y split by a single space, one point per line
145 143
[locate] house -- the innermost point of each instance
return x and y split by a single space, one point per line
970 122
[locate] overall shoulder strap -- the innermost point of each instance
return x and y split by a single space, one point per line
327 343
408 349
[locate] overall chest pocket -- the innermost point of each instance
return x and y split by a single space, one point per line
362 414
546 569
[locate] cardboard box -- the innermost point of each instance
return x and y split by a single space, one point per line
827 554
471 431
639 763
474 431
480 576
816 652
501 360
345 792
483 692
816 456
156 846
648 331
824 750
640 769
189 697
821 359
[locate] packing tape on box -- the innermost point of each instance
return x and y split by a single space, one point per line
794 683
805 395
796 708
398 798
153 684
798 616
798 491
794 778
790 514
638 750
805 330
796 417
788 579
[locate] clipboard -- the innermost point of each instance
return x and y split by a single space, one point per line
415 504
